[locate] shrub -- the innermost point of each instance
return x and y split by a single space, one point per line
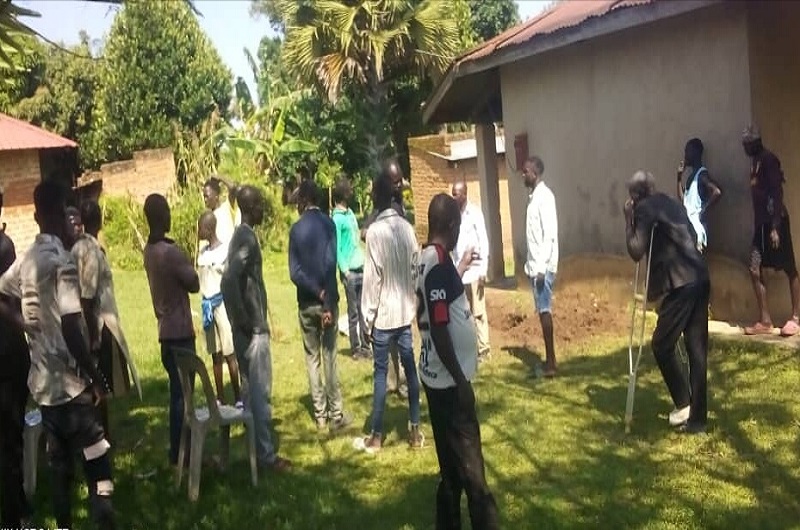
124 232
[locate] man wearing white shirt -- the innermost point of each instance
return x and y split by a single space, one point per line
473 239
541 230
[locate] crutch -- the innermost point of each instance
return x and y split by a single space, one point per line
639 301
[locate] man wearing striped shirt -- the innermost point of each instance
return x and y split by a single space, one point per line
541 230
389 304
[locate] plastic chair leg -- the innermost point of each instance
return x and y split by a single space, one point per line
182 453
196 461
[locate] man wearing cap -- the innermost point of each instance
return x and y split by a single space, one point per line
772 237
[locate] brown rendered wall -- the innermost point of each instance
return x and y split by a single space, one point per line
431 175
19 175
151 171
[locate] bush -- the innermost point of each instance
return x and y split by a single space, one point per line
124 232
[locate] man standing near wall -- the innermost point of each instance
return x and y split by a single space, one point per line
473 239
699 193
541 229
679 275
772 238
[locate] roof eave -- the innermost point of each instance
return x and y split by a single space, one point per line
612 22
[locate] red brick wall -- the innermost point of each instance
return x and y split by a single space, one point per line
19 174
431 175
151 171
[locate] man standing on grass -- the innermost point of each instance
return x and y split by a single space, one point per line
211 263
396 379
679 274
100 309
448 362
389 307
64 379
312 268
473 239
15 362
172 278
772 239
350 259
228 214
245 299
541 229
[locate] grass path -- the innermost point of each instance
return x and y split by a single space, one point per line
556 454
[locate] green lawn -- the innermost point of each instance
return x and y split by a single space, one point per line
556 453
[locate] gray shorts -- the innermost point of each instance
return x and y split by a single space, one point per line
219 337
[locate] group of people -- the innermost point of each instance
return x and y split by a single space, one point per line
679 277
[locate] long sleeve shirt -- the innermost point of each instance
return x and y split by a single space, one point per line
172 277
472 234
312 259
766 185
541 230
388 299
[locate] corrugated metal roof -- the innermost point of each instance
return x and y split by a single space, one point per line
564 14
17 135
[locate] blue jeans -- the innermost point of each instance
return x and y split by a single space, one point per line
381 339
175 393
255 366
543 294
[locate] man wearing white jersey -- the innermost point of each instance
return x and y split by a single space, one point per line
448 362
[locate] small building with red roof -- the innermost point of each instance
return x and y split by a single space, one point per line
29 154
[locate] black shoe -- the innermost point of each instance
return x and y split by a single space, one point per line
342 422
692 428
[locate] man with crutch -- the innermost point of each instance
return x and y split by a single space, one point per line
678 273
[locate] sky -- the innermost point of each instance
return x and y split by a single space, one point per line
227 22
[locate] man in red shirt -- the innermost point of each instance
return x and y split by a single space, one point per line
772 238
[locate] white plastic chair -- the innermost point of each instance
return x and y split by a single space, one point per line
198 422
31 434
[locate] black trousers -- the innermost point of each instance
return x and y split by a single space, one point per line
71 428
685 310
458 448
13 397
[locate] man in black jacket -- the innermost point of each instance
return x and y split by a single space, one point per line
246 303
679 274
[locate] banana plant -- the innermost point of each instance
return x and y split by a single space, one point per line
12 33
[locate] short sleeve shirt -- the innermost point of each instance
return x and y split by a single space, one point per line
210 267
442 302
46 281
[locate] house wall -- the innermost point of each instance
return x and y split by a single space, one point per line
431 175
599 110
19 175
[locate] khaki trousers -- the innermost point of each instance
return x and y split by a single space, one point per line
476 295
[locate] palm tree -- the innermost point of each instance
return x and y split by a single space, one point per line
369 44
13 34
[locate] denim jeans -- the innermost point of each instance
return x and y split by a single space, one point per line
255 366
175 392
381 339
355 318
319 344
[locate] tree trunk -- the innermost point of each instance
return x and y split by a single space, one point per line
377 135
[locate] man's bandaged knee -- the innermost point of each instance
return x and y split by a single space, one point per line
96 450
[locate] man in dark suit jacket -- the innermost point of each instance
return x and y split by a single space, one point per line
679 274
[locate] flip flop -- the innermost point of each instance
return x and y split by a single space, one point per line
791 328
759 328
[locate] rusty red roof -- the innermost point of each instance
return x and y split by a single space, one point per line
564 14
17 135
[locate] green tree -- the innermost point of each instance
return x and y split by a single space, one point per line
370 43
492 18
160 70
